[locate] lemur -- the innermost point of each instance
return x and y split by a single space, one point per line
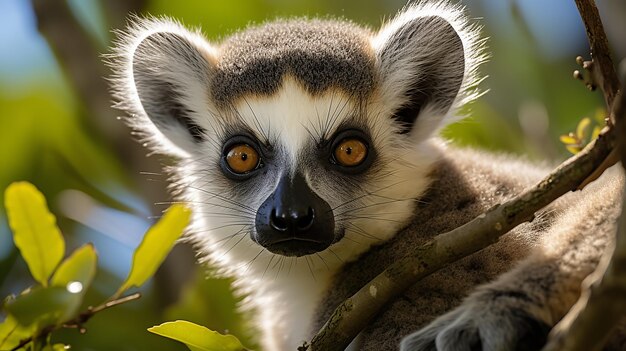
308 151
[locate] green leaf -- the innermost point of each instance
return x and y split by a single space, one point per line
79 267
43 306
155 246
75 274
11 333
35 232
55 347
569 139
197 337
574 149
582 130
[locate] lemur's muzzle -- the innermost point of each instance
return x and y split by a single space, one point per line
293 220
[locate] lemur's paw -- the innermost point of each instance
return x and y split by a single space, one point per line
488 321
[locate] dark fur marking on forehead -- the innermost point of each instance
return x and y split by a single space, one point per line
320 54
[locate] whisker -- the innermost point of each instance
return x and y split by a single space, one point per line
232 202
232 247
367 193
268 266
324 261
200 231
338 258
280 268
374 218
308 262
371 205
361 231
290 265
257 121
249 264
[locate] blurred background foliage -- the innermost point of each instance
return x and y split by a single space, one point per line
58 132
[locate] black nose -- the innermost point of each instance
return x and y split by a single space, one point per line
294 220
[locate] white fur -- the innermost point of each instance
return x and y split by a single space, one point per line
173 140
405 70
285 291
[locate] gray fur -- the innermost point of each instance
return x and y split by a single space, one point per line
521 306
321 54
435 61
159 94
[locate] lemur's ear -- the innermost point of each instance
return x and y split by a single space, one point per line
162 79
427 58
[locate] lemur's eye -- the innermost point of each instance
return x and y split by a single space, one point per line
242 158
350 152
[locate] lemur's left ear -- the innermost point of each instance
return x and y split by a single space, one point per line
162 80
427 58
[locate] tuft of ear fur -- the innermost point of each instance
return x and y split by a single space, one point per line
428 56
161 79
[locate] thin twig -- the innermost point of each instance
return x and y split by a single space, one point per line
79 320
605 77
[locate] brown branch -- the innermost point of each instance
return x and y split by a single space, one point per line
357 311
79 320
602 63
600 70
602 303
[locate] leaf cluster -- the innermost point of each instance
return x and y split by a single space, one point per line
55 300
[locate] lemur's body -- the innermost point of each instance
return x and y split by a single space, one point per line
555 258
303 144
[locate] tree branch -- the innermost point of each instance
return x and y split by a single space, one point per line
600 70
603 68
602 303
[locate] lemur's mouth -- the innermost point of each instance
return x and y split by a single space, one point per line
296 246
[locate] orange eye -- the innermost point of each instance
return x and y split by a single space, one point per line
350 152
242 158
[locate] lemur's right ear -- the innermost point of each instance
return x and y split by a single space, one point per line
162 80
427 59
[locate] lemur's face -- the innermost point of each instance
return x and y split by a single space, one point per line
299 161
297 138
311 169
